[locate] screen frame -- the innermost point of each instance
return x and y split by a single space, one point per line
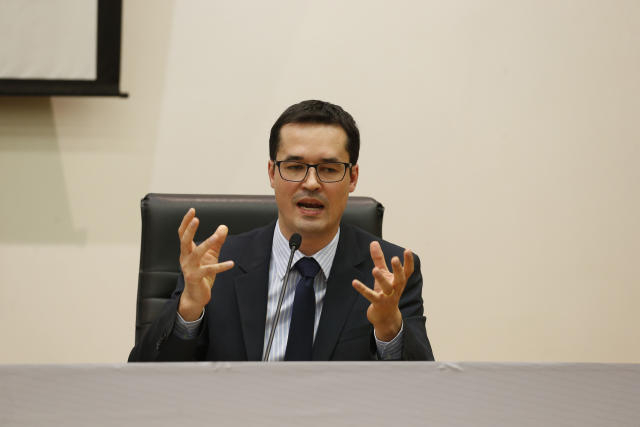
107 82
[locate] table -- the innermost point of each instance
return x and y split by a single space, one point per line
321 393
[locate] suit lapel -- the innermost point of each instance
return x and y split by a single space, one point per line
340 295
251 291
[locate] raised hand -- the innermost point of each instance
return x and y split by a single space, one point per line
383 313
199 265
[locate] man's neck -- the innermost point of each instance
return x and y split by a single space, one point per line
309 248
312 243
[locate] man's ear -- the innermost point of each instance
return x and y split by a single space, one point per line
353 174
271 170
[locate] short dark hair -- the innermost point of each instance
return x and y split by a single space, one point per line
321 112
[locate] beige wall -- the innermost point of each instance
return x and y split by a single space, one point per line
502 136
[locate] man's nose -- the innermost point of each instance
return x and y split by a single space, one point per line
311 181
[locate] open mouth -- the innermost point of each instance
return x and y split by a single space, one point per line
310 205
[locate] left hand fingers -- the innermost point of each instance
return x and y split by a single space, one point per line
402 273
396 281
408 263
384 281
399 278
377 256
372 296
390 282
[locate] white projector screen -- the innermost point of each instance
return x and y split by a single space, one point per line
60 47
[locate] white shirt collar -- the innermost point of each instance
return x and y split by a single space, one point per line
280 250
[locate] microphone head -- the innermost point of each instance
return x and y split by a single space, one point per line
295 241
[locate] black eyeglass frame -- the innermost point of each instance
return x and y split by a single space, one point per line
347 166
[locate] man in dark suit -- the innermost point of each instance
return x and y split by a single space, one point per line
354 298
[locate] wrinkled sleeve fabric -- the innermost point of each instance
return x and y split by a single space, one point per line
187 330
390 350
415 344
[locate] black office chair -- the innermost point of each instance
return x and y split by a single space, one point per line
160 248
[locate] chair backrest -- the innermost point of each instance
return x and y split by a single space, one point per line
160 248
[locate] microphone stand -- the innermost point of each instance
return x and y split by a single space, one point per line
294 243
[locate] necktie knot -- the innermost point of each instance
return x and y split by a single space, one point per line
308 267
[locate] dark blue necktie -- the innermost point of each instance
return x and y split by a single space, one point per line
303 313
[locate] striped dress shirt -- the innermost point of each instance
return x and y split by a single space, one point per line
280 252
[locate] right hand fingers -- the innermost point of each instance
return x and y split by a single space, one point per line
194 276
214 242
186 240
191 213
210 270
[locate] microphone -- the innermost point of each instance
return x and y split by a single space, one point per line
294 243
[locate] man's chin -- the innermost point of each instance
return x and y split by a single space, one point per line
311 227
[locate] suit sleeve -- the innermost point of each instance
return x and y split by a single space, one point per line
416 344
160 344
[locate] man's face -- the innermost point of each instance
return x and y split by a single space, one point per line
311 207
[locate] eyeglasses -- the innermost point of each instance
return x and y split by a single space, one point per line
290 170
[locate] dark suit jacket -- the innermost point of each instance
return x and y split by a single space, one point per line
234 322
